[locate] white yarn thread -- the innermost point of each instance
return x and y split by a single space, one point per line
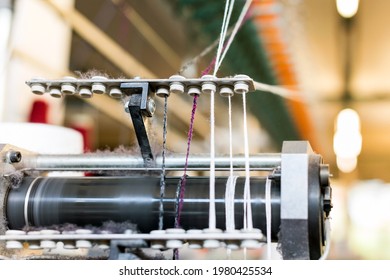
278 90
235 30
268 216
212 218
231 182
229 202
248 223
225 24
230 136
229 31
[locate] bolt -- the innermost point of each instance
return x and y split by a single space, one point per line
14 156
150 107
127 106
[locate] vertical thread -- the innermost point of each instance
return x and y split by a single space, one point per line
241 20
268 216
177 212
212 219
180 192
163 172
184 177
230 136
248 223
229 202
244 16
225 24
231 182
177 202
222 36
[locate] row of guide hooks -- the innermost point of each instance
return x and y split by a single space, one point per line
213 238
176 84
171 238
35 243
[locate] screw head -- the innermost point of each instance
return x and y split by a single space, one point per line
127 106
150 107
14 156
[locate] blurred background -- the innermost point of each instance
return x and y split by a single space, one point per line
332 54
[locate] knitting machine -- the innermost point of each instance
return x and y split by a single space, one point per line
32 203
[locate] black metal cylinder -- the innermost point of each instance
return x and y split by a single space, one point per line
47 201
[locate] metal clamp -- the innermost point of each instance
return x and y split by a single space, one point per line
139 105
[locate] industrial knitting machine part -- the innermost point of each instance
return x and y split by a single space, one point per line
300 192
300 199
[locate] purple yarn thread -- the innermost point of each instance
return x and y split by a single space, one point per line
183 180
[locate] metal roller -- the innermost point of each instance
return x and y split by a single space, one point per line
46 201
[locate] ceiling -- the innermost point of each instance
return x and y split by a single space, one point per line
346 64
336 63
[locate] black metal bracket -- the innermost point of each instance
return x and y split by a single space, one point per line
137 107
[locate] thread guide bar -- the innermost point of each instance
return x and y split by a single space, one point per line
140 102
45 85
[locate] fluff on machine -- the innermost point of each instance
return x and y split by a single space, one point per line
37 211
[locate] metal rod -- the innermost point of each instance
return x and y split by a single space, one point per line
127 162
